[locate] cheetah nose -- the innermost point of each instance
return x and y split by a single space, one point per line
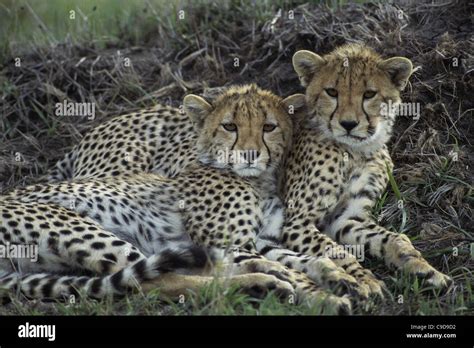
348 125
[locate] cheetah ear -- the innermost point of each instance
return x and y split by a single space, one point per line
399 69
197 108
306 64
294 103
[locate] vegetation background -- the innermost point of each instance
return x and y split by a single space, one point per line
58 50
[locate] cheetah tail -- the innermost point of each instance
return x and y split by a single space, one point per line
54 286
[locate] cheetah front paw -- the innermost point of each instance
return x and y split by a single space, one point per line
402 254
421 268
339 281
330 304
370 283
259 285
343 283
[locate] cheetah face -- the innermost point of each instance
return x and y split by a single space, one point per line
351 92
246 129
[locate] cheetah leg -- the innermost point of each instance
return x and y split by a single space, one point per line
243 262
312 242
394 248
320 269
351 224
173 285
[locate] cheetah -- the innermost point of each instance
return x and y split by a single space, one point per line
338 165
217 203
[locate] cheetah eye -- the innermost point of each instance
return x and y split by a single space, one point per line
331 92
269 127
230 127
369 94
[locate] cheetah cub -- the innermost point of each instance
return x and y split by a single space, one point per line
338 165
130 227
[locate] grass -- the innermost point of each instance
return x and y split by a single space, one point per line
36 22
408 296
79 60
105 21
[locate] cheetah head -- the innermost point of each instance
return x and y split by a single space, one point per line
351 93
245 129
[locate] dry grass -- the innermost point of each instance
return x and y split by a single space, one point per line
434 157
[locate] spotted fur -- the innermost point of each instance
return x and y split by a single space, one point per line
158 139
